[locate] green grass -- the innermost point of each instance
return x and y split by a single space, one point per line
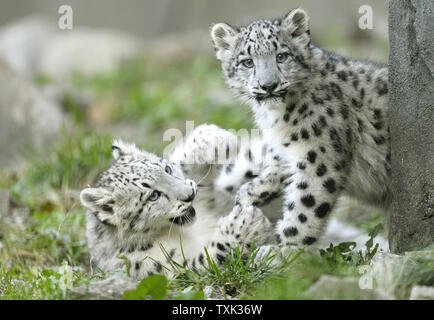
241 271
189 90
54 172
272 277
30 258
293 283
150 97
54 234
50 182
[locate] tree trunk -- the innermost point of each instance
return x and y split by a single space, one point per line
411 67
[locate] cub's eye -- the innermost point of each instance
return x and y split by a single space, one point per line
281 57
168 170
154 196
248 63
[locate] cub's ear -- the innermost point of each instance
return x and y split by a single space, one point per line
100 201
120 148
297 24
223 36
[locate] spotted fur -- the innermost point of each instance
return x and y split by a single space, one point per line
323 117
142 202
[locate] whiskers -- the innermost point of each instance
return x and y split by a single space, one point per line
206 175
259 95
188 219
170 230
244 96
201 186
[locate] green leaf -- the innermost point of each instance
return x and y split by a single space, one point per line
189 295
372 234
212 266
346 246
154 286
372 254
48 272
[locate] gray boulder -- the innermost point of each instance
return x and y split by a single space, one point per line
109 289
422 293
27 118
22 43
86 51
334 288
35 45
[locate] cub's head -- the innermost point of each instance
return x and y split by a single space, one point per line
140 191
263 60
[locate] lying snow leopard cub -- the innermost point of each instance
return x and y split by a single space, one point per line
142 201
323 117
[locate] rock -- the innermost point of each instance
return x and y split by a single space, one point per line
26 117
421 256
422 293
22 43
338 232
12 213
411 70
385 271
86 51
394 274
334 288
212 293
216 293
35 45
109 289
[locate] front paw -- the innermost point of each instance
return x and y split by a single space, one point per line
243 197
210 145
247 224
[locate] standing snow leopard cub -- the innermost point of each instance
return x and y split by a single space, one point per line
323 117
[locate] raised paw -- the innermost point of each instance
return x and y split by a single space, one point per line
204 152
246 224
209 144
243 198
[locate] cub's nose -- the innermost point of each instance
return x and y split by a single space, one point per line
190 197
194 191
269 87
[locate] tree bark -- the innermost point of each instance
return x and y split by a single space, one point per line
411 67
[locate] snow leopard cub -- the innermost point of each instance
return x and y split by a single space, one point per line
142 202
323 117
